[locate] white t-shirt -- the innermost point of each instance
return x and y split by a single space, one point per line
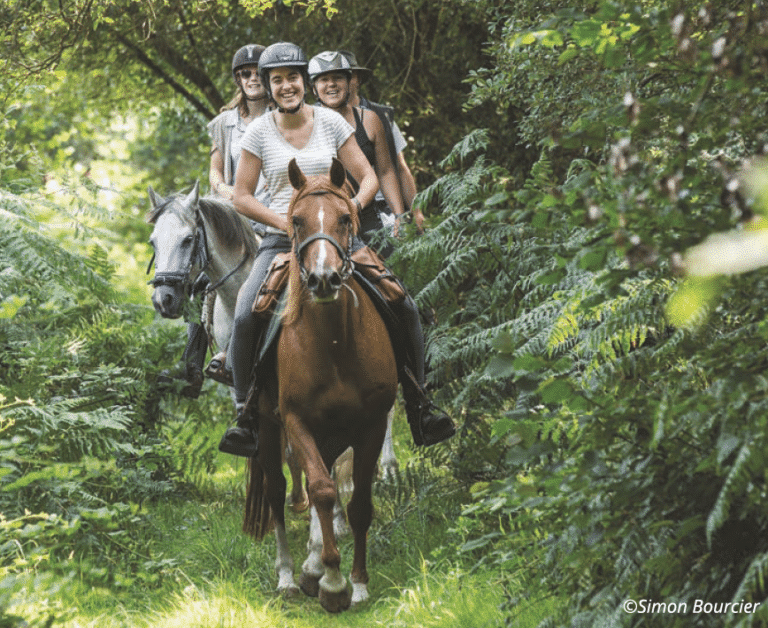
263 139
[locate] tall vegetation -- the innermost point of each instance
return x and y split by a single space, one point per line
614 415
593 271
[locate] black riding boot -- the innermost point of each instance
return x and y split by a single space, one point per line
191 369
429 424
242 439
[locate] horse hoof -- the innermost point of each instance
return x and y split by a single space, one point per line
335 602
309 584
299 507
290 593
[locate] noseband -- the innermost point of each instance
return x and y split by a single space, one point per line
345 254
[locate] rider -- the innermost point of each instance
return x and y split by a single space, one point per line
226 131
313 136
395 139
331 74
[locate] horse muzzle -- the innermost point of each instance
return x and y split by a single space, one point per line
167 300
324 284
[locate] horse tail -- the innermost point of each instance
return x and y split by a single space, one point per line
257 520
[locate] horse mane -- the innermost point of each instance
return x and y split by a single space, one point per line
314 186
231 227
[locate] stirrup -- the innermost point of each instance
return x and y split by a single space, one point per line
430 425
241 439
217 370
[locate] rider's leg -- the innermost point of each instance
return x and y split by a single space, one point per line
241 439
429 425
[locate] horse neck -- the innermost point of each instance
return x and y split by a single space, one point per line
224 259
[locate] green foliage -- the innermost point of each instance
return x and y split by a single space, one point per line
621 456
79 409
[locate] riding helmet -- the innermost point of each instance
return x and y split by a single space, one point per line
282 54
328 61
247 55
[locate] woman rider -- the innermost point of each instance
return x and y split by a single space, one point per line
331 74
226 131
313 136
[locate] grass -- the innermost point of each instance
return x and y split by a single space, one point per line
192 567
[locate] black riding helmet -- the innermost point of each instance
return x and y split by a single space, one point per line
282 54
247 55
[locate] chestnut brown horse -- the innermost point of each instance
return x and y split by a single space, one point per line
336 382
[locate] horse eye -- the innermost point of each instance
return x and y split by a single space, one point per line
187 241
345 220
298 223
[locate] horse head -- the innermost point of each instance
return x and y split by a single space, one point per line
322 221
179 249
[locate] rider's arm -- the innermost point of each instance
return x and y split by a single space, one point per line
409 191
384 169
216 174
356 163
246 178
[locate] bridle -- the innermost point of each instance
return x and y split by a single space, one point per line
198 257
345 253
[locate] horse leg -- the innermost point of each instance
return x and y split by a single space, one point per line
299 499
313 569
270 458
342 476
389 465
360 510
332 586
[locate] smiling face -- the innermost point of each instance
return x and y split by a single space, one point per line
287 86
333 89
250 82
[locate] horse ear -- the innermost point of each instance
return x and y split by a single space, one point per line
295 175
156 199
194 195
338 173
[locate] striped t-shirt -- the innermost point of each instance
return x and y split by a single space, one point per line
263 139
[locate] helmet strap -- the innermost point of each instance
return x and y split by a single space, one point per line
293 110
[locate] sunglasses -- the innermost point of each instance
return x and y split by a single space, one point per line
246 74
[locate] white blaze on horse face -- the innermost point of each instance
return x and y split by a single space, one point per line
322 256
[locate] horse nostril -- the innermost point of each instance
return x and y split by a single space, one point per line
335 280
313 282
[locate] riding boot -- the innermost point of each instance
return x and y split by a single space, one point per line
242 439
191 369
429 424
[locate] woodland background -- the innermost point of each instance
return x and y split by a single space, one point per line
596 192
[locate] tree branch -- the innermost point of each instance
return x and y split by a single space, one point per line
177 87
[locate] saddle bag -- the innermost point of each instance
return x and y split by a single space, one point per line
266 300
370 266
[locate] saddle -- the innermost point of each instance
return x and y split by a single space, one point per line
382 286
367 265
